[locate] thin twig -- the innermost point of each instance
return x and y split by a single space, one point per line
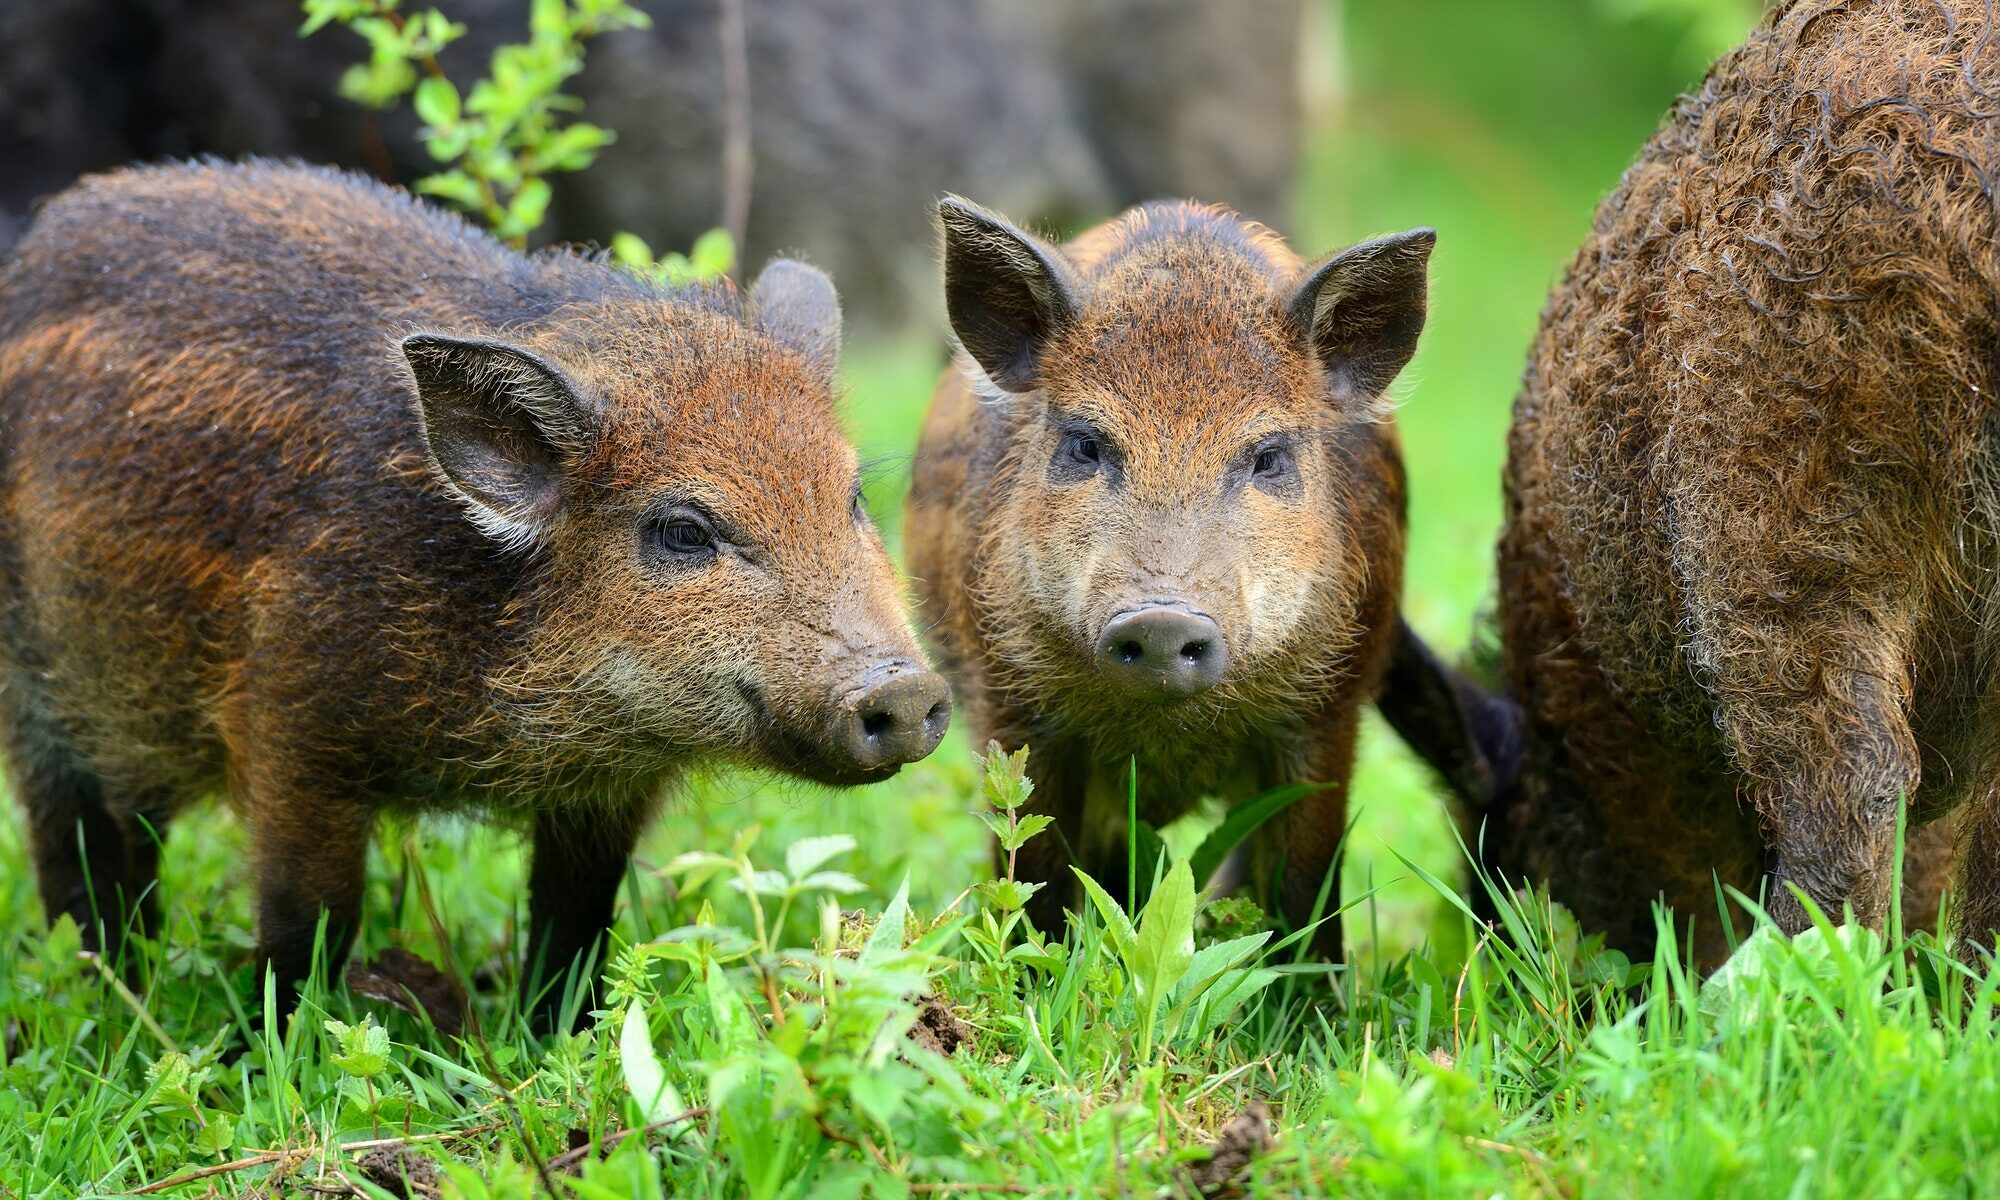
1536 1160
228 1168
447 1135
569 1158
737 164
131 1001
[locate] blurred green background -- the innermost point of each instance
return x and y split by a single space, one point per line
1503 123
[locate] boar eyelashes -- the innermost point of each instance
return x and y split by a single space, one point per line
1080 453
682 537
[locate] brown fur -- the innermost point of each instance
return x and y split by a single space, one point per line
1750 576
238 552
1181 347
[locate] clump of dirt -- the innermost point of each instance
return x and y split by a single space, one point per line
403 979
1246 1137
937 1027
400 1172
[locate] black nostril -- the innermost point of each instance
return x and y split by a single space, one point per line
1164 650
896 715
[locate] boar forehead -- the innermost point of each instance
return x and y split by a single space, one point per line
707 409
1182 353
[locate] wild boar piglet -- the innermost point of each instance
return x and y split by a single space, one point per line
323 499
1157 515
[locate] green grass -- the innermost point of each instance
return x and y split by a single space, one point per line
1443 1060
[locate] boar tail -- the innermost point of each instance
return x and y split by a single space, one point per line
1469 735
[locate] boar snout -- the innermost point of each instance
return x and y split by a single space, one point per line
1165 649
895 713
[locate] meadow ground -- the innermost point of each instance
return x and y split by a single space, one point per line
756 1040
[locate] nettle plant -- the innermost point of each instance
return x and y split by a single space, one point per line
797 1065
499 141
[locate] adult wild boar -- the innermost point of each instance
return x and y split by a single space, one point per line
1157 514
323 498
1750 574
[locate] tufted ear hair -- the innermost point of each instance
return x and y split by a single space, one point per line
501 425
795 305
1006 292
1360 311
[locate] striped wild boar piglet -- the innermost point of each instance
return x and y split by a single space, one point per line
323 499
1157 515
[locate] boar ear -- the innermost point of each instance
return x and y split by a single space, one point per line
500 423
1361 310
1007 293
795 305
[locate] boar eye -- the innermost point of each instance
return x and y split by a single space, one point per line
859 505
1273 463
1082 451
683 536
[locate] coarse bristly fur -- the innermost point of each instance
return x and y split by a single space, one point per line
1750 575
1186 342
324 499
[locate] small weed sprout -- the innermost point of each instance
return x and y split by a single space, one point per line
1004 786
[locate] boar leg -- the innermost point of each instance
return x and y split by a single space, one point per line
1047 857
1829 758
310 850
1296 851
78 844
572 893
145 833
1977 894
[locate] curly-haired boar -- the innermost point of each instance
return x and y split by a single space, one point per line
1158 514
1750 575
322 498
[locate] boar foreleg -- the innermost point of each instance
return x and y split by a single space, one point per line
1823 733
579 861
310 848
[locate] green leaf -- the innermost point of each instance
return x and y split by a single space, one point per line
632 250
1212 961
455 186
218 1135
877 1095
436 102
1165 944
1029 826
713 254
734 1027
764 883
807 854
1220 1002
573 147
645 1078
529 205
364 1048
1242 821
885 941
1116 924
839 882
1004 783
